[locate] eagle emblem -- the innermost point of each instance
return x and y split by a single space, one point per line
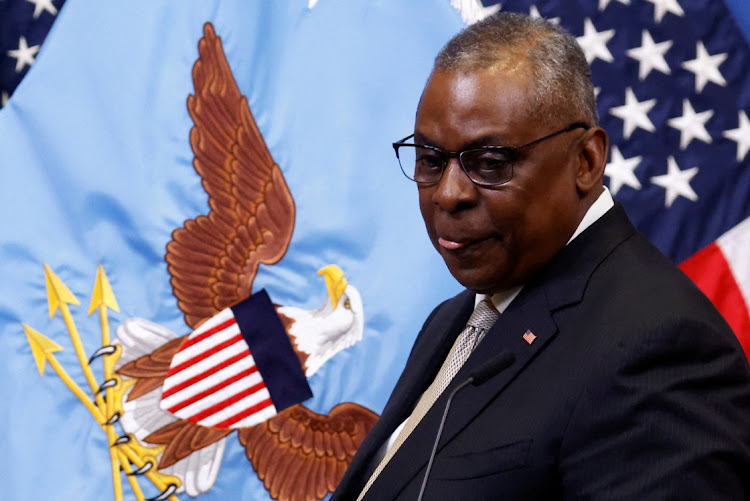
189 393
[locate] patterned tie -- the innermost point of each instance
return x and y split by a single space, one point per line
479 323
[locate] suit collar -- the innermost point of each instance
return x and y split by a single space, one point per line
564 279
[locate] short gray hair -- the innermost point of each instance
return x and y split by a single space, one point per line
561 76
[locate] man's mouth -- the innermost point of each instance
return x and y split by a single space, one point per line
450 244
457 244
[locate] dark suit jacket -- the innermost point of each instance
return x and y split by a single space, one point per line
634 389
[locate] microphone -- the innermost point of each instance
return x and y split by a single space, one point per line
479 376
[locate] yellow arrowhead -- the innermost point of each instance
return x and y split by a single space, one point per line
42 347
57 293
335 281
102 295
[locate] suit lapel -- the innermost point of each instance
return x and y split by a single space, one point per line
529 313
558 285
427 357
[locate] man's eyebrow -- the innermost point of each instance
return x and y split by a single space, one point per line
421 139
488 140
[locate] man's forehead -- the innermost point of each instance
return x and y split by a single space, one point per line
462 108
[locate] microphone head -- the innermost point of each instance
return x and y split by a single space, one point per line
492 367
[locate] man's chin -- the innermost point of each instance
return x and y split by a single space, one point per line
479 281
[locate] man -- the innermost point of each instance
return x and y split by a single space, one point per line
616 378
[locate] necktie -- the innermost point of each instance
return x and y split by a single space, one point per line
479 323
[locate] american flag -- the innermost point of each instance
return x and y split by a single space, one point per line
23 27
673 92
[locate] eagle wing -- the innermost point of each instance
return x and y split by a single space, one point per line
213 259
191 452
150 370
301 455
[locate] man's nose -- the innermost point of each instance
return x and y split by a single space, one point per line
454 190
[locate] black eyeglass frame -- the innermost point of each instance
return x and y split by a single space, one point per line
447 155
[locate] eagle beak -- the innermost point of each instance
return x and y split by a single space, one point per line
335 281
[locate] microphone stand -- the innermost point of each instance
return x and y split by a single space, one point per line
440 432
483 373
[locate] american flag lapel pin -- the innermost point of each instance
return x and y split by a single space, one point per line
529 336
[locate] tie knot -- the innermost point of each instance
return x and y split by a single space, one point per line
484 315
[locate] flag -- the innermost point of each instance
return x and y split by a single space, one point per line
674 95
23 27
108 148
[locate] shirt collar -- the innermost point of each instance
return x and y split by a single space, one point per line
597 210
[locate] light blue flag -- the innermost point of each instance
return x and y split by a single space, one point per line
97 169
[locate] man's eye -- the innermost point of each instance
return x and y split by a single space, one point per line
428 160
488 161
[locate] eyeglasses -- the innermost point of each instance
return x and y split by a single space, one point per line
485 166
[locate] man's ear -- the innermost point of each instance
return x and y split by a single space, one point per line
592 159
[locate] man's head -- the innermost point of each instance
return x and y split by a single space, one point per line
561 89
507 81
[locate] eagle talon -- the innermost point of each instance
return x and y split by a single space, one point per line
109 383
115 418
104 350
171 488
122 440
143 469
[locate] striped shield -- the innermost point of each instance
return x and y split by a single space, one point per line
236 370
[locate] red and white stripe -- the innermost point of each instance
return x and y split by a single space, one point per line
722 271
213 380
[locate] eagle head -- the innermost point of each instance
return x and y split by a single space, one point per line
335 325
